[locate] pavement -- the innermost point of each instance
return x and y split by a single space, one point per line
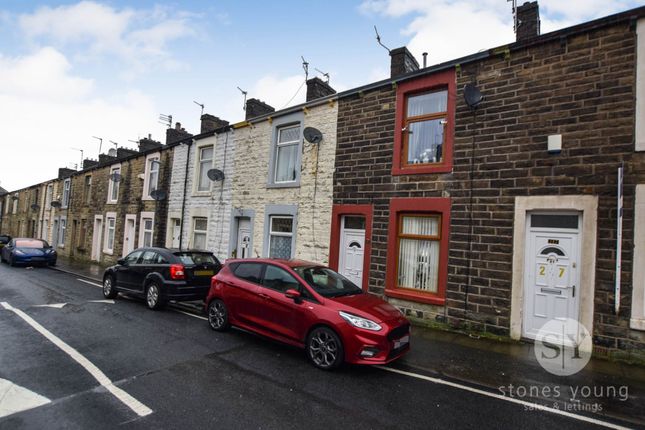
603 389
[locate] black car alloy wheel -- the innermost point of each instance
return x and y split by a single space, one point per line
324 348
218 315
109 290
153 296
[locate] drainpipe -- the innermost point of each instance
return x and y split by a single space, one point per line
183 202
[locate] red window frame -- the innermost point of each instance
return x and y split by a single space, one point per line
417 206
338 211
437 81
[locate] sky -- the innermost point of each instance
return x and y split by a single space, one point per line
71 72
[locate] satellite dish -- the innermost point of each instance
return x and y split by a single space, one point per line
112 152
115 177
472 96
158 195
312 135
215 175
35 207
55 204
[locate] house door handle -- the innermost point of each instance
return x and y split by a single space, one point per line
573 291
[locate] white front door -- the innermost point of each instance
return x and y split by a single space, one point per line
551 284
129 234
176 231
244 238
352 248
96 239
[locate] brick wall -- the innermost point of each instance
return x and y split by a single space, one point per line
581 87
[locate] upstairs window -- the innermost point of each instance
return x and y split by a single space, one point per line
424 125
287 154
151 175
205 164
87 190
66 188
113 186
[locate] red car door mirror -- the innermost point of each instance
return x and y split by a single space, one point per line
292 294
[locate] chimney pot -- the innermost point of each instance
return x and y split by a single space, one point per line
177 125
528 21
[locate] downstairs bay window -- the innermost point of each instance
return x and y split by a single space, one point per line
418 249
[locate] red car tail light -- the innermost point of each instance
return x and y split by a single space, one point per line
177 271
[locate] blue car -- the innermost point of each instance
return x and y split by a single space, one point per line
28 251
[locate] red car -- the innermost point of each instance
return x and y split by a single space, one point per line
307 305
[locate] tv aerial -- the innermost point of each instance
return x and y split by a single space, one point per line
244 93
201 105
312 135
378 39
165 120
215 175
326 75
305 67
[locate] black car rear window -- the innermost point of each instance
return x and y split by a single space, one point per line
5 239
197 258
251 272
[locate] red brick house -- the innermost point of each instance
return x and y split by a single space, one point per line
500 217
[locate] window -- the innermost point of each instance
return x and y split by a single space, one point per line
152 175
113 185
150 257
48 196
146 232
83 233
110 229
133 257
280 236
277 279
425 125
66 188
251 272
205 163
418 248
285 154
87 190
287 145
62 225
200 227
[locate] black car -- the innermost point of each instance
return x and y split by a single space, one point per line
160 275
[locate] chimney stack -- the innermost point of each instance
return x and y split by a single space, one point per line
64 172
255 108
317 88
88 162
175 134
402 62
211 122
528 21
148 143
125 152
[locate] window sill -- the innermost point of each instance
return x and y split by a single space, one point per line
414 296
637 324
110 202
295 184
420 170
201 193
108 252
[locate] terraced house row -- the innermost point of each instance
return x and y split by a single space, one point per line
481 193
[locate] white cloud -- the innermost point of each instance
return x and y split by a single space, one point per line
140 38
46 111
280 92
449 29
42 75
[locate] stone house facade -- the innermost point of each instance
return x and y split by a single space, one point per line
282 181
198 207
497 216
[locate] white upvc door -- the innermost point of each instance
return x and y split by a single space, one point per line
129 235
352 249
96 238
552 278
244 238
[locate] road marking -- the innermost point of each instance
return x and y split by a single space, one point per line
14 398
89 282
191 315
136 406
111 302
534 406
53 305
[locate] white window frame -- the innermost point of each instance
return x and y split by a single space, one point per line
87 189
198 168
142 217
109 231
279 145
112 185
194 230
14 209
49 195
151 160
639 138
280 233
67 187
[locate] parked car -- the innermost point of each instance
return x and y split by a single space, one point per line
310 306
160 275
22 250
4 239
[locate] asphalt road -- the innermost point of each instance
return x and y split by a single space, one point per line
186 376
